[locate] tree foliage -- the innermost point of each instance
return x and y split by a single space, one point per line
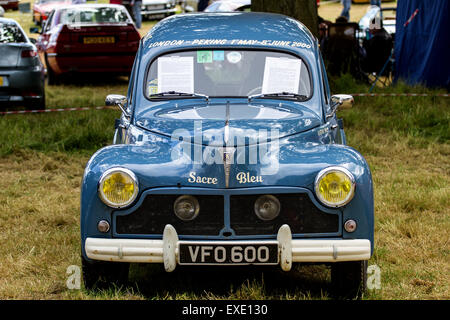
304 11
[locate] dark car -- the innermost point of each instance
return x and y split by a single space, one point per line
10 4
88 39
228 152
21 71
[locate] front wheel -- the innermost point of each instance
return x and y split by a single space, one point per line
103 274
349 279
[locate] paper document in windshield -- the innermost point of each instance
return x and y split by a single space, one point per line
281 75
176 74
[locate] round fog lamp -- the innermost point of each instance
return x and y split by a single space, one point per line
118 187
267 207
335 186
186 208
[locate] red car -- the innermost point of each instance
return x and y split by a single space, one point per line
9 4
88 39
42 8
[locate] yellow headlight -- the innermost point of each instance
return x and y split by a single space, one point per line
118 187
335 186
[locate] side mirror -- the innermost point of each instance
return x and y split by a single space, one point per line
34 30
119 101
343 101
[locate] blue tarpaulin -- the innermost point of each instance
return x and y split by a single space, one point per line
422 43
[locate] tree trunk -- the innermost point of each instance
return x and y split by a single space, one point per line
304 11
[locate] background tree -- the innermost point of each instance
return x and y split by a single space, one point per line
304 11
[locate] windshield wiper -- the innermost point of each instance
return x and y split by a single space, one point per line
287 95
169 94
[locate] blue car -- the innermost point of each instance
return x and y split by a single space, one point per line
228 152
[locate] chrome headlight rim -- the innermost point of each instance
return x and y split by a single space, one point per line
328 170
102 180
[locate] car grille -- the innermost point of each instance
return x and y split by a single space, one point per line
157 210
297 210
156 7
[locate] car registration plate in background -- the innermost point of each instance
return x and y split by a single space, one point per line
98 40
227 253
3 81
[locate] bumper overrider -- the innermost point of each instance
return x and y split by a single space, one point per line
168 251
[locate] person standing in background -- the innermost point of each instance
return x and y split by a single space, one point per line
346 10
136 8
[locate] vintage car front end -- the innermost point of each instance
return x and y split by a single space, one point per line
218 177
158 8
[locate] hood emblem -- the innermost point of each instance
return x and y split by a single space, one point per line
227 152
228 157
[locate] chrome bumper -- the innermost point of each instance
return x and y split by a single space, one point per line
166 250
145 12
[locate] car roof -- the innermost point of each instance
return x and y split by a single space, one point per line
229 25
90 5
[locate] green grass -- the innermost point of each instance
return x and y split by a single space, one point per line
404 139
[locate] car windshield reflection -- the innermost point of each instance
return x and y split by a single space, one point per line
228 73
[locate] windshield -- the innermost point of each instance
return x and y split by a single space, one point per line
93 15
228 73
10 33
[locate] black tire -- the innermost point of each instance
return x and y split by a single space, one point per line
102 274
36 105
52 79
349 279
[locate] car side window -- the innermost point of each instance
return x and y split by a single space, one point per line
48 23
326 88
131 86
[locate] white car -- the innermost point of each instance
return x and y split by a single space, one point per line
377 19
158 8
229 5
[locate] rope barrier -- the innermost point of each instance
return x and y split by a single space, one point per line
446 95
53 110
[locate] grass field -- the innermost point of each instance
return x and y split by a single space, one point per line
406 141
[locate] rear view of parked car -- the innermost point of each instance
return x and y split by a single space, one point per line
88 39
21 71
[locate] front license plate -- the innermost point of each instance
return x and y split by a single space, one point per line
226 253
98 40
3 81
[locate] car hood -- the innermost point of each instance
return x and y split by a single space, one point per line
228 124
